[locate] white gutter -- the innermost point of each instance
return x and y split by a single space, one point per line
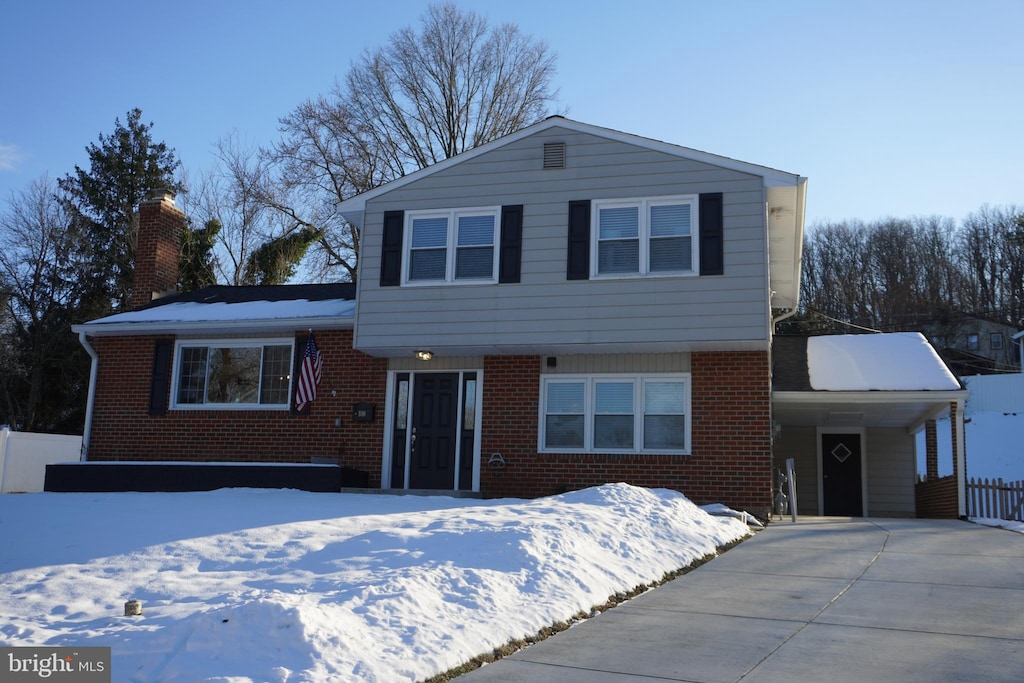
91 401
123 329
870 396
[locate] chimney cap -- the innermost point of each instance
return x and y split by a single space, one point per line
160 193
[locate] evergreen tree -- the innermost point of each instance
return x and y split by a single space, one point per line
123 169
196 268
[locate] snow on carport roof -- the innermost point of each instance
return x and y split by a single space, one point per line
901 361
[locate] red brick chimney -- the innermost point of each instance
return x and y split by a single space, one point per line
158 249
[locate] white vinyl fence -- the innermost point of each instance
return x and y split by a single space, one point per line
995 393
24 457
996 499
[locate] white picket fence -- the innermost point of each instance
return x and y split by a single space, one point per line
25 455
996 499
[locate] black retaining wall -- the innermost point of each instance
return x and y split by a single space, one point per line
114 476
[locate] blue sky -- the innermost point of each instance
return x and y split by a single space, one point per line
896 108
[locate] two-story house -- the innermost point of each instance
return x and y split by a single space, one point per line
566 306
571 305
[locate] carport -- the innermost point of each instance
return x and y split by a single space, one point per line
847 408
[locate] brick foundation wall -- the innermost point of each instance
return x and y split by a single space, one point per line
122 429
731 433
937 498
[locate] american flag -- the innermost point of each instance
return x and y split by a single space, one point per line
309 375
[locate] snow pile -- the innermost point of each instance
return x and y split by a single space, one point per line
900 361
1007 524
256 585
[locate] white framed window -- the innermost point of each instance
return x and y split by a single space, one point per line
232 374
615 413
647 236
995 341
451 245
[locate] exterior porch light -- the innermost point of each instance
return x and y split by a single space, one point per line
424 354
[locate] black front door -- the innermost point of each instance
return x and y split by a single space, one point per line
840 475
433 438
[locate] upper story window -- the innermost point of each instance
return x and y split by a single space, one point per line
233 374
455 245
649 236
995 340
972 342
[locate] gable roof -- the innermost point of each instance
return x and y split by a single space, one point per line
785 193
353 207
225 309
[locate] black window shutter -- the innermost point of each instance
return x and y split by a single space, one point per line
300 350
511 243
578 261
711 234
391 249
161 378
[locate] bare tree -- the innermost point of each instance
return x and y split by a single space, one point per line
899 274
456 84
45 261
425 96
991 248
239 202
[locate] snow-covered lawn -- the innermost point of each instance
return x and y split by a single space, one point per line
267 585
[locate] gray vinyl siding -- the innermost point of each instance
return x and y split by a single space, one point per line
892 468
545 310
625 362
411 364
801 444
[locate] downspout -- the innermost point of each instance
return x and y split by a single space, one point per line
91 401
788 314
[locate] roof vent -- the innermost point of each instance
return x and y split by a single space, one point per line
554 155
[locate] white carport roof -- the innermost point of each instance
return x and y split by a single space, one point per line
894 380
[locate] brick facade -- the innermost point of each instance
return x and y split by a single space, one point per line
731 432
931 450
730 460
123 429
937 498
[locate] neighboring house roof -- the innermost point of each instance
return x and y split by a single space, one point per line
785 194
888 380
220 309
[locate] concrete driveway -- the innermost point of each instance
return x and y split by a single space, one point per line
825 599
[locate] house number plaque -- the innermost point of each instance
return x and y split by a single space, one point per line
362 412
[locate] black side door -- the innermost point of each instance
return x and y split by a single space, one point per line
841 475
